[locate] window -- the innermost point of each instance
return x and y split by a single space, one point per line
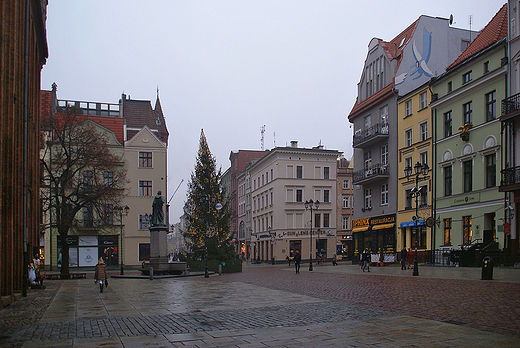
423 100
346 184
346 202
408 162
263 182
468 112
408 108
145 160
326 172
144 221
449 87
368 124
420 233
447 124
467 77
424 196
447 180
468 175
464 44
491 112
424 131
384 154
345 223
145 188
408 136
88 178
368 198
491 179
447 231
272 177
299 172
108 216
424 157
384 194
317 220
144 251
108 178
467 232
88 218
299 195
267 177
326 196
326 220
383 113
368 160
486 67
408 199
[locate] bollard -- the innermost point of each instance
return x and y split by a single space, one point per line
220 269
487 268
151 273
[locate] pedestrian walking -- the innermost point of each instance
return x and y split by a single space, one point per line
410 258
101 274
365 258
297 260
334 260
404 254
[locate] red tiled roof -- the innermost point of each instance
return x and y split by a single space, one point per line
493 32
393 50
139 113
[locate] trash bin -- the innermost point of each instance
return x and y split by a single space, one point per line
487 268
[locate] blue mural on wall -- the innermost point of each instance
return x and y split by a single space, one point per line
420 67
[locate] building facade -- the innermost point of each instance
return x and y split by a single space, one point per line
282 181
392 69
469 207
24 36
344 203
510 119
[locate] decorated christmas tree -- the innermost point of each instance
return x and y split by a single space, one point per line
207 213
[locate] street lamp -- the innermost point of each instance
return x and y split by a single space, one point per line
122 210
310 205
415 193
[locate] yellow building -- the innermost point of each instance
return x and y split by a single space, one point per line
414 190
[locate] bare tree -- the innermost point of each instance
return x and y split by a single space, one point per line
81 171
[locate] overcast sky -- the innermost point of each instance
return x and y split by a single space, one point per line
231 67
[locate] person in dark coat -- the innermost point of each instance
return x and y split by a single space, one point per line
403 258
297 260
365 257
101 274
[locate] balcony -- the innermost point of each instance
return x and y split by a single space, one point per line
370 135
510 107
373 173
510 179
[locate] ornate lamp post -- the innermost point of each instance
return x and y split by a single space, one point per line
122 210
415 193
310 205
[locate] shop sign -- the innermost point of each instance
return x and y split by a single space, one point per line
361 222
467 199
507 228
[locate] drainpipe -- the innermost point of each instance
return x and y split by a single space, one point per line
25 147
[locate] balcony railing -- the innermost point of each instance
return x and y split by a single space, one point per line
510 179
511 105
365 135
374 172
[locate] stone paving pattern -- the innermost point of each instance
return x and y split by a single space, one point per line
271 306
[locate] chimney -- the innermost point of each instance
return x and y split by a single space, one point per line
294 143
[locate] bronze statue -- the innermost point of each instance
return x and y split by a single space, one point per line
157 211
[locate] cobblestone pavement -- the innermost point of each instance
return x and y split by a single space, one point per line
270 306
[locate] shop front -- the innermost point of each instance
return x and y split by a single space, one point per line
377 235
84 251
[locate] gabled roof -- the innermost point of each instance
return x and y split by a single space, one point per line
393 50
493 32
139 113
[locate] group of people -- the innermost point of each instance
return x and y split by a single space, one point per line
407 257
298 260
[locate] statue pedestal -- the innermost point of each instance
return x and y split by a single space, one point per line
159 254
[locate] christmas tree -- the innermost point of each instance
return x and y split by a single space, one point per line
207 214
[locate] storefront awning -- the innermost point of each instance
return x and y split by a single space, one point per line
383 226
360 229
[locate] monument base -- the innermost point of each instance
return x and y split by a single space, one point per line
176 267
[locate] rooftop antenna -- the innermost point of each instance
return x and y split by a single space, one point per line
262 131
470 18
274 139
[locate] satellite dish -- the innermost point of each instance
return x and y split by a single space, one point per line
451 19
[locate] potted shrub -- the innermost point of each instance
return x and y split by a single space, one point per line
381 258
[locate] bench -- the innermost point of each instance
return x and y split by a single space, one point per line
58 276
